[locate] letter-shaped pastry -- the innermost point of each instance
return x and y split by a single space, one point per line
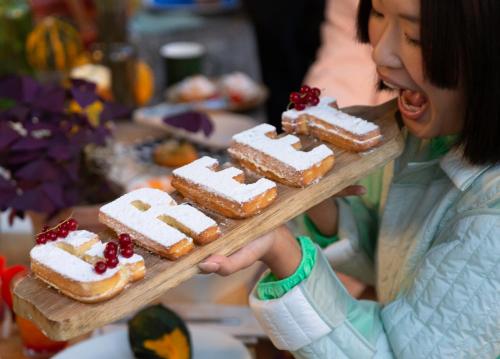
280 159
329 124
224 191
68 265
155 221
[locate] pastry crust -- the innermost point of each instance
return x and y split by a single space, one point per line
221 205
68 266
156 222
208 235
333 126
172 252
86 292
223 191
280 159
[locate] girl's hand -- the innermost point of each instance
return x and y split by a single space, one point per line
278 250
325 214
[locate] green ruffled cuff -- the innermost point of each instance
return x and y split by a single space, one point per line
270 287
317 236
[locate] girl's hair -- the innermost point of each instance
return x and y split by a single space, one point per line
461 47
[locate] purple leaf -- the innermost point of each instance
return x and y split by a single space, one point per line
34 199
19 112
191 121
50 98
207 126
61 152
72 196
30 144
7 193
72 170
41 170
21 89
46 170
83 92
16 158
55 193
7 136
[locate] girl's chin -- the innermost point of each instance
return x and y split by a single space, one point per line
419 129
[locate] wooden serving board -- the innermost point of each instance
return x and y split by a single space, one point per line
62 318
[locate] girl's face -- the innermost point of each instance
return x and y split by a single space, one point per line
428 111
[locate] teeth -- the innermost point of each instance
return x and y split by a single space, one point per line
408 106
392 86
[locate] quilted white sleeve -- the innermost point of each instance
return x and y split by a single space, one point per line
450 310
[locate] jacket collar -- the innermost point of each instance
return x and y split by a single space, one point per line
459 170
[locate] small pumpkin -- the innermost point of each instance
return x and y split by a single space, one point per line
101 76
53 45
156 332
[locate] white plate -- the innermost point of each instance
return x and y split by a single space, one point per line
207 344
226 124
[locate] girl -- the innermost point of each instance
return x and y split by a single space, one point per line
434 251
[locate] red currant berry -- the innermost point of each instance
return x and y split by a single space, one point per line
100 267
124 238
307 99
127 252
127 245
45 228
72 225
51 235
300 106
109 253
112 245
62 232
41 239
314 101
316 91
305 89
111 262
64 225
295 97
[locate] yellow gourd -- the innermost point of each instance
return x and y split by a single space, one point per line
53 45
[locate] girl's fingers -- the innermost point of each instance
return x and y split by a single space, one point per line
239 260
355 190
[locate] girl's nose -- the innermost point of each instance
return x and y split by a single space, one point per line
386 48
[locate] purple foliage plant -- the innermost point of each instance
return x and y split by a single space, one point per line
44 130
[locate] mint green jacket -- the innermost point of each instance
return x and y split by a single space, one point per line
431 246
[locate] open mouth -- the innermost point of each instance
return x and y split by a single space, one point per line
412 103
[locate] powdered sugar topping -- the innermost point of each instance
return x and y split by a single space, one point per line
78 238
222 183
332 116
145 220
282 148
190 217
66 264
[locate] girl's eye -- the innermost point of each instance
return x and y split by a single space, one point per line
412 41
376 14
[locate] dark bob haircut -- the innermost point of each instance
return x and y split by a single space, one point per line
461 46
